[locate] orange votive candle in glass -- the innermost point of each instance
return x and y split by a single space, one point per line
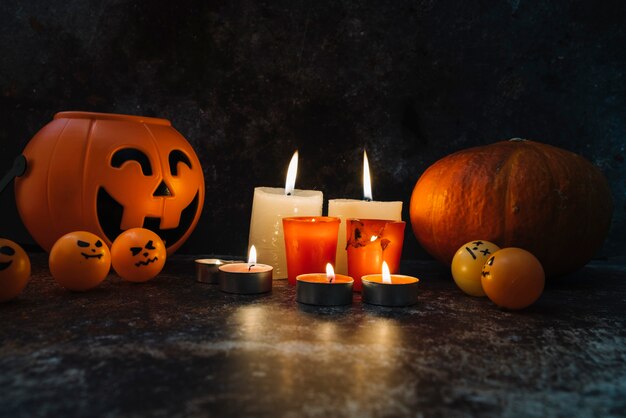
310 243
369 243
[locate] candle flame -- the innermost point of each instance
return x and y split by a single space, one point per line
373 238
386 273
290 183
252 255
367 182
330 272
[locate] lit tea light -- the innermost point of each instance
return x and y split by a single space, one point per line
388 289
321 289
207 269
246 278
269 206
310 243
366 208
370 242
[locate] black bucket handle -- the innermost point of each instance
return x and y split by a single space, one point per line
18 170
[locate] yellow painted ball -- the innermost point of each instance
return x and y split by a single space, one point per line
467 265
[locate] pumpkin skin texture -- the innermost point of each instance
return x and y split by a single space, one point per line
107 173
515 193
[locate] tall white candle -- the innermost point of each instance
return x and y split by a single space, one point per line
364 209
269 206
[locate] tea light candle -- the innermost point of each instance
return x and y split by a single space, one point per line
365 209
310 243
321 289
207 269
269 206
389 289
246 278
370 242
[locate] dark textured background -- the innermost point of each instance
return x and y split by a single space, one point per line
249 82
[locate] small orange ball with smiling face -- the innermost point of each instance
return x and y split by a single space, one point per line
138 255
79 261
14 269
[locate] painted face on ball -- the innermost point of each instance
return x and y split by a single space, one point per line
138 255
145 255
6 259
468 263
79 260
90 251
487 267
14 269
513 278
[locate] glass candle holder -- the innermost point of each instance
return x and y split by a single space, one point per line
369 243
310 243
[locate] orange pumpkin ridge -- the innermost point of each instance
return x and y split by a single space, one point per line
514 193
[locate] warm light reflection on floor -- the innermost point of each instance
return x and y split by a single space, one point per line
381 337
375 345
252 321
326 332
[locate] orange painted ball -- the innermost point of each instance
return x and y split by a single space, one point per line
79 261
14 270
138 255
513 278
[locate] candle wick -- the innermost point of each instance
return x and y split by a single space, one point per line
289 194
250 266
367 199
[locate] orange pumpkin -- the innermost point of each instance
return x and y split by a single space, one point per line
107 173
515 193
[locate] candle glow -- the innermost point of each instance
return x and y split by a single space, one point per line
292 171
252 255
367 182
386 273
330 272
365 208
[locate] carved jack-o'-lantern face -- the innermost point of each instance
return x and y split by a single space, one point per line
138 255
108 173
160 198
14 269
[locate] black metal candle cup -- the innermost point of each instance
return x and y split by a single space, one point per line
245 278
402 291
207 269
315 289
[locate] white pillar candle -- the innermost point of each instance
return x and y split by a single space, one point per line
363 209
269 206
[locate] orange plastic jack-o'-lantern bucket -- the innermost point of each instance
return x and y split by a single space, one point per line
106 173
